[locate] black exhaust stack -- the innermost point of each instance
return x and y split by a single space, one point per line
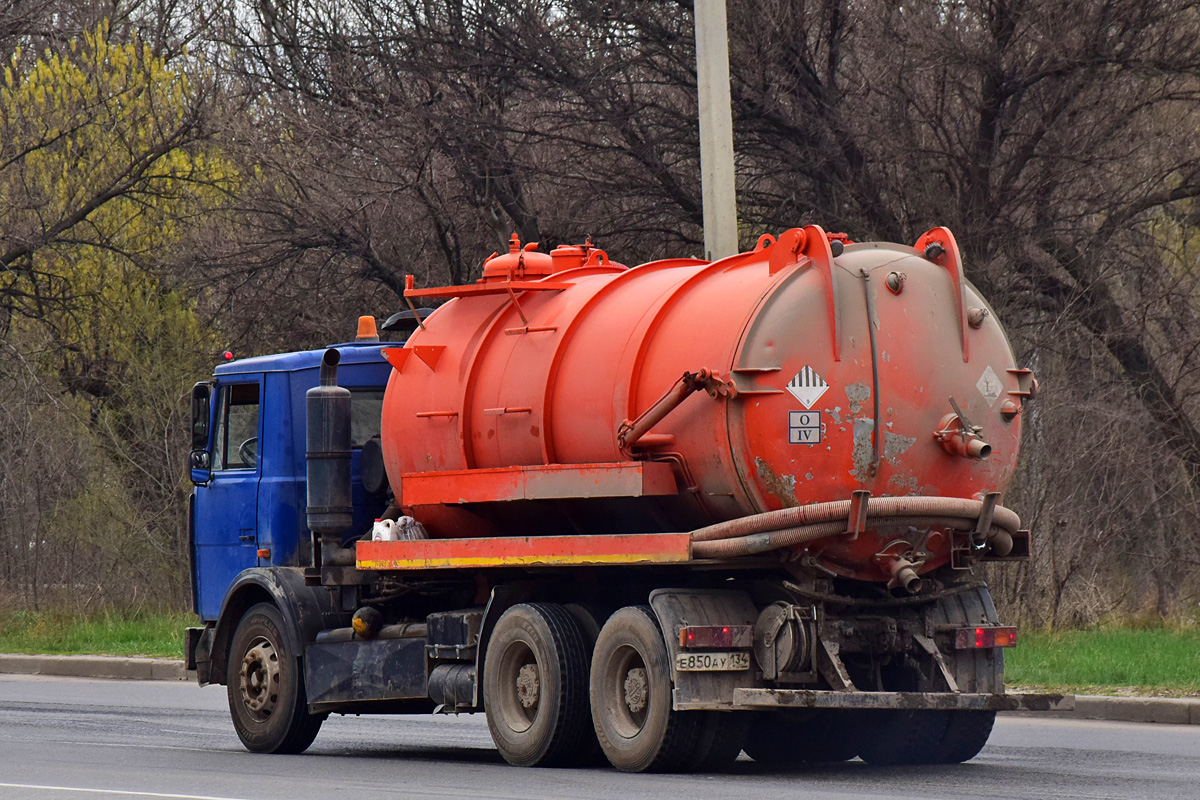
327 414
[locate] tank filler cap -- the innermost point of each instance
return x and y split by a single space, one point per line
837 242
519 263
569 256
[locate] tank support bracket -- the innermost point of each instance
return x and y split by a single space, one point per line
829 664
857 523
930 646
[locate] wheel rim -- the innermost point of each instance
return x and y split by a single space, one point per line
259 679
519 680
629 691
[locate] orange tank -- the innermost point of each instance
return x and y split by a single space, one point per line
566 393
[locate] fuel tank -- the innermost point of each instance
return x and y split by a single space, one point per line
793 374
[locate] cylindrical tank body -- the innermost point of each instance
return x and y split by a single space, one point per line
548 377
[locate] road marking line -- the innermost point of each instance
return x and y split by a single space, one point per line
112 791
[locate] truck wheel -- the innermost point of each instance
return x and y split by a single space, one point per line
535 687
803 736
722 735
631 698
966 734
903 737
266 687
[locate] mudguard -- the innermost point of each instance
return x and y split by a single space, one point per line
306 610
676 608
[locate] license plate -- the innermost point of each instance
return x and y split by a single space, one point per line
712 662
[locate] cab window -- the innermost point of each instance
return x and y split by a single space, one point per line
236 442
366 410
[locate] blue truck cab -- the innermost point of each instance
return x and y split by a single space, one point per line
248 463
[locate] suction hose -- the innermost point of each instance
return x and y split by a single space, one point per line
792 526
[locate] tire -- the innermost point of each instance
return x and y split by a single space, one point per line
903 737
975 671
265 686
722 735
631 698
803 736
535 687
966 734
589 618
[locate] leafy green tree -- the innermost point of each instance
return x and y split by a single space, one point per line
105 167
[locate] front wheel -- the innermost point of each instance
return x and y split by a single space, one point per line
267 701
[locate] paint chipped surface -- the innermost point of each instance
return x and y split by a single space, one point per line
857 394
864 449
836 413
863 453
894 445
907 483
782 486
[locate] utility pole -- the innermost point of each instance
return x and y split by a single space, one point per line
718 192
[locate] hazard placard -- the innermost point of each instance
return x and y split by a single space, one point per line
804 427
807 386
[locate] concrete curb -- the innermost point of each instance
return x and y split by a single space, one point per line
152 669
1176 711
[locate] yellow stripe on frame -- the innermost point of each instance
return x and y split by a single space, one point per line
516 561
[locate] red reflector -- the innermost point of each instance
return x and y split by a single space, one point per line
264 553
1006 637
714 636
984 636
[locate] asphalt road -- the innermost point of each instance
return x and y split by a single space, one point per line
78 738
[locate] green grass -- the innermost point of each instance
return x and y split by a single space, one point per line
58 634
1142 661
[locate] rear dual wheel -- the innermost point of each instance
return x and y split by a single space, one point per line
801 736
926 737
966 734
541 712
535 687
631 701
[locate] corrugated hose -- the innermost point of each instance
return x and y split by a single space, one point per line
787 527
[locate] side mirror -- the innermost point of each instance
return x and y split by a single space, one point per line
200 462
200 466
201 415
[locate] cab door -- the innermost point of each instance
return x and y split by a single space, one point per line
225 535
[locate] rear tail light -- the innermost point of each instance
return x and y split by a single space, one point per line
712 636
984 636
